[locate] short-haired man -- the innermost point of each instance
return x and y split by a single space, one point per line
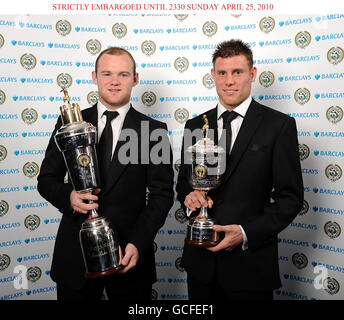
123 197
261 190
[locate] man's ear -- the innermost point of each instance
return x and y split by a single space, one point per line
94 77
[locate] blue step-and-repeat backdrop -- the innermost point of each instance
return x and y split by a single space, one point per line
300 72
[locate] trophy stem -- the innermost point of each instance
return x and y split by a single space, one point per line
204 211
92 214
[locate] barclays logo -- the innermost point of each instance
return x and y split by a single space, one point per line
274 97
330 17
151 82
181 82
29 98
328 210
333 36
275 43
171 248
163 264
159 115
10 243
149 31
40 239
326 76
31 152
9 135
303 59
295 22
50 116
90 29
63 45
38 26
304 115
330 95
329 153
21 43
295 78
302 225
329 134
8 116
40 290
268 61
12 296
30 205
329 266
38 134
9 189
8 61
7 23
241 27
56 63
175 99
9 171
8 79
310 171
85 64
33 257
328 248
204 46
331 192
37 80
174 48
298 278
293 242
156 65
181 30
10 225
202 64
84 81
292 295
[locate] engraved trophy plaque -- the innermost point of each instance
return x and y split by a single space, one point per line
77 140
207 165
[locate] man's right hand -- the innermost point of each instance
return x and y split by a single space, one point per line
195 200
79 202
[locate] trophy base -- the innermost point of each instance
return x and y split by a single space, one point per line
205 244
202 237
103 273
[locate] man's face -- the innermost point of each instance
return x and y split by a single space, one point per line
233 77
115 80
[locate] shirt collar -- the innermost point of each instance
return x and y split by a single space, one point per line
241 109
122 111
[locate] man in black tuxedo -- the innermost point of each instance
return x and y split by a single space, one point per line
261 191
122 198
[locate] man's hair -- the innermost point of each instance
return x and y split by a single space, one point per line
232 48
116 51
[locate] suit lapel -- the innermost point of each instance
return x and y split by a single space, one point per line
116 168
250 124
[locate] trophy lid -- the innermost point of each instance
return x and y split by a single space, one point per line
205 145
70 113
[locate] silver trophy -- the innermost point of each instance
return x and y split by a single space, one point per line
77 139
207 166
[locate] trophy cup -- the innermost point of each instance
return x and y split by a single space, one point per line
77 139
207 165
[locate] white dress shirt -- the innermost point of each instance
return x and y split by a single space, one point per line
235 126
116 123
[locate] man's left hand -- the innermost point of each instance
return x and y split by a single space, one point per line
130 258
233 237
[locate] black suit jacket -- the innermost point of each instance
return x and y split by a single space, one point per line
122 200
262 190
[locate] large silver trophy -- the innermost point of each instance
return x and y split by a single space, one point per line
207 166
77 140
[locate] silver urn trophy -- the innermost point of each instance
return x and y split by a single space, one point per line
207 163
77 139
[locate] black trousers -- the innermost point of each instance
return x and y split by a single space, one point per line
216 292
118 287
